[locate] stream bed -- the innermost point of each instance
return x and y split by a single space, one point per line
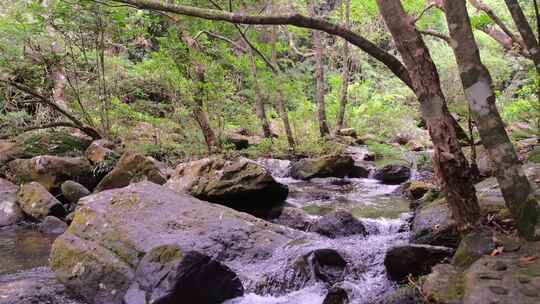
384 213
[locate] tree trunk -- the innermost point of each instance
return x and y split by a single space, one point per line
199 113
258 100
319 80
477 84
450 164
344 74
280 102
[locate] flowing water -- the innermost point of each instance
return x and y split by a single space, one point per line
383 212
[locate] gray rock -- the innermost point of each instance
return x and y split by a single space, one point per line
52 225
433 224
293 217
37 285
132 168
414 259
240 184
10 212
336 295
403 295
37 202
113 230
338 223
472 247
326 166
168 276
73 191
393 174
444 284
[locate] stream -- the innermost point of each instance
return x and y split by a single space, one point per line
384 213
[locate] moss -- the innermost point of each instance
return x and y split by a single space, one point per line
534 156
317 209
53 143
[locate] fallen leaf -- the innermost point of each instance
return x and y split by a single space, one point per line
497 251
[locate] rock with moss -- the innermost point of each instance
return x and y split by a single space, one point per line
32 144
325 166
112 231
73 191
445 285
417 189
511 277
292 217
433 224
413 259
241 184
51 171
52 225
403 295
131 168
472 247
10 212
37 202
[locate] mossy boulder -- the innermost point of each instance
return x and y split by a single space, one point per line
51 171
472 247
112 231
433 224
241 184
73 191
325 166
131 168
445 285
417 189
337 224
10 212
37 202
406 294
31 144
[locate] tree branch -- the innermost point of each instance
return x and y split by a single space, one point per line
216 36
292 19
432 5
435 34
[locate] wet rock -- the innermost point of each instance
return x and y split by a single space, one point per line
113 230
472 247
52 225
33 286
132 168
293 217
166 275
414 259
338 224
73 191
10 212
432 224
37 202
336 295
444 285
241 184
360 170
393 174
417 189
403 295
325 166
99 151
51 171
322 265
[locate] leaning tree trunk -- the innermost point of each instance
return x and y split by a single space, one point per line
258 100
477 84
345 74
200 115
280 102
319 80
450 164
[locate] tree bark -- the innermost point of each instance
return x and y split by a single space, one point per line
280 102
319 84
258 100
478 87
450 164
344 74
199 113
